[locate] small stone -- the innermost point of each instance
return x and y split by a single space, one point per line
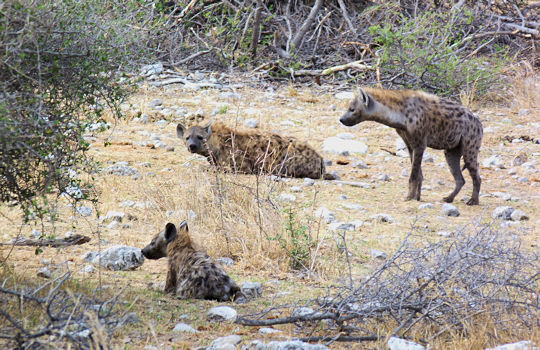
113 216
377 254
155 103
337 145
428 158
359 164
116 258
426 206
294 345
252 290
512 171
45 261
400 144
184 328
383 177
345 136
44 272
449 210
326 214
494 161
144 119
221 314
352 206
225 343
382 218
404 173
296 189
225 261
302 311
519 215
523 112
287 197
85 211
192 215
35 234
523 179
444 233
268 330
308 182
503 212
342 197
522 345
112 225
252 123
254 345
327 162
395 343
520 159
502 195
88 269
341 226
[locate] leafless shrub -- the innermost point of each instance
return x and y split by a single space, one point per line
32 318
481 273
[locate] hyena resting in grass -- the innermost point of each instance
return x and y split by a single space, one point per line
424 120
192 273
253 152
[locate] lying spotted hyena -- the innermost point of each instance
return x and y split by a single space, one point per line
424 120
253 152
192 273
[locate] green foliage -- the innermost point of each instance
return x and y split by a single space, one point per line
58 64
433 52
296 240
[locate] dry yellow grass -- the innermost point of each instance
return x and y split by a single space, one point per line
237 214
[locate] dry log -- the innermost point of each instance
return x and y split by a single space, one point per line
49 242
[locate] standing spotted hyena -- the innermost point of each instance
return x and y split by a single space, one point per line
253 152
424 120
192 273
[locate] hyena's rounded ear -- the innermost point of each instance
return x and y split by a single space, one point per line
363 96
180 129
170 232
208 128
183 226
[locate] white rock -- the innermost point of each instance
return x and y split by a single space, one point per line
225 343
359 164
444 233
449 210
377 254
287 197
426 206
85 211
112 225
503 212
341 226
339 146
222 313
357 223
296 189
302 311
225 261
44 272
35 234
352 206
381 217
113 216
522 345
252 123
383 177
252 290
395 343
494 161
254 345
400 144
268 330
155 103
345 136
308 182
345 95
326 214
184 328
519 215
88 269
116 258
294 345
502 195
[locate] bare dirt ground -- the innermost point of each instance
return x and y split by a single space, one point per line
176 182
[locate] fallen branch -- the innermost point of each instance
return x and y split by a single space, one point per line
191 57
356 65
50 242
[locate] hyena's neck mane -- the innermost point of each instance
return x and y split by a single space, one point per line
389 106
182 243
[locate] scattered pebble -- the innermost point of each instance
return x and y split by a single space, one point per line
296 189
44 272
519 215
225 261
326 214
395 343
503 212
184 328
222 313
426 206
252 290
359 164
449 210
287 197
382 218
252 123
377 254
308 182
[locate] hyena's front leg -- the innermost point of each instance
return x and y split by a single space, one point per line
170 282
415 179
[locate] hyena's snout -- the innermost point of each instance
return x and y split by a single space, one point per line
348 119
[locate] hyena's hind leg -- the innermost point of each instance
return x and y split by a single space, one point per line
471 163
453 157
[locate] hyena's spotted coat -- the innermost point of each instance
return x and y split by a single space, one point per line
253 152
424 120
192 273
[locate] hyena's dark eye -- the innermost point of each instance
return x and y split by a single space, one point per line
199 137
